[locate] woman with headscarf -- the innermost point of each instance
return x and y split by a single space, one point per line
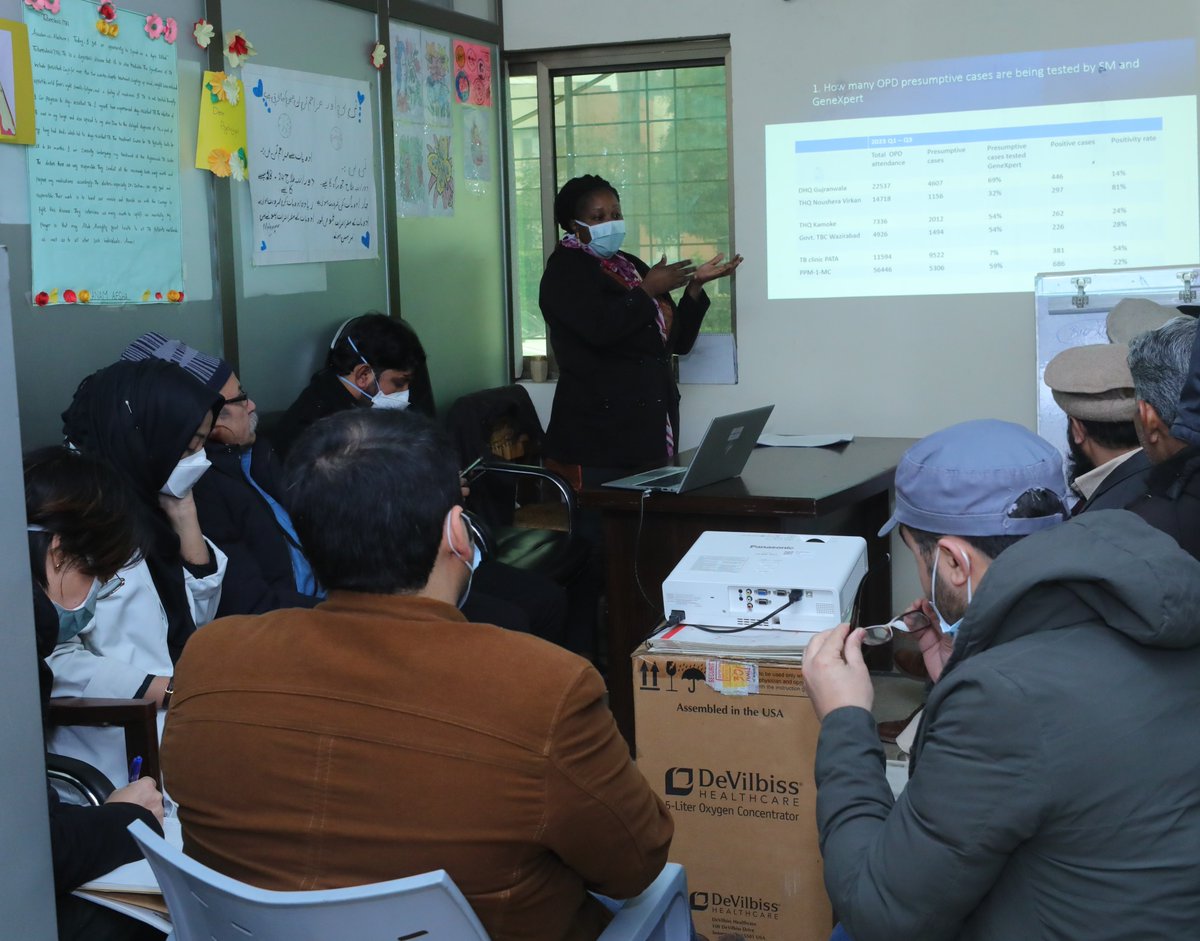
149 420
82 530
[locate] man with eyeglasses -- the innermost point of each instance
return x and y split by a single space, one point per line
1052 788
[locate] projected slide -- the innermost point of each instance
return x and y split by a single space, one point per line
972 175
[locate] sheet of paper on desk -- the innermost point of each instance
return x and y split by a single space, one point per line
803 441
137 876
688 639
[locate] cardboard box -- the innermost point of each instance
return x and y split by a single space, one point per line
729 746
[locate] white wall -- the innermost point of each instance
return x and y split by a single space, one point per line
877 366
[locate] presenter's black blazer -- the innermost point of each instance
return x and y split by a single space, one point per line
616 389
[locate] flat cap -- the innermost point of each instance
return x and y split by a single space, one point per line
1134 315
1093 382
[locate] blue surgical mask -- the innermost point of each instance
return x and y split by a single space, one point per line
73 620
472 565
948 629
606 236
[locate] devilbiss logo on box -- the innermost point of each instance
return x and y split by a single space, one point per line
728 903
731 793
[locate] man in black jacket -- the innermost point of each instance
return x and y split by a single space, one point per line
1092 385
1052 789
1164 365
242 506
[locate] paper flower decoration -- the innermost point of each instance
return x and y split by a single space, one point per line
378 54
85 296
69 296
107 29
54 295
170 30
202 32
50 6
237 165
154 26
174 296
107 11
41 299
216 87
232 89
145 295
238 49
218 161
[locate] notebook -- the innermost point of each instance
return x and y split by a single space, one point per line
723 453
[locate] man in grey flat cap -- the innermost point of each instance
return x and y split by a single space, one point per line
1093 385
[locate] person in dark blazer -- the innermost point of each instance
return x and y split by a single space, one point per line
614 327
1093 386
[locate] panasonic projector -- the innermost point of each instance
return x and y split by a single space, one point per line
736 579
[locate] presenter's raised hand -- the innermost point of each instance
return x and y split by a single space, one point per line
834 672
664 278
716 267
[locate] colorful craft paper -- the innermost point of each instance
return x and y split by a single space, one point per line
104 174
17 125
312 172
222 129
472 74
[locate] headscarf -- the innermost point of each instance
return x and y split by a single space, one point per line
140 417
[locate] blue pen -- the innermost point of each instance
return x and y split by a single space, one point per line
135 769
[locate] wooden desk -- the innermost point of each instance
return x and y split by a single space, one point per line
842 490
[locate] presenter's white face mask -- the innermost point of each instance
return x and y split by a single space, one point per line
606 237
183 478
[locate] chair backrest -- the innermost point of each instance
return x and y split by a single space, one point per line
207 906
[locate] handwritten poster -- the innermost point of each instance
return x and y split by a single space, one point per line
437 79
312 171
472 74
104 174
16 85
408 75
477 147
221 134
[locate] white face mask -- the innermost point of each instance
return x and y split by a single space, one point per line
606 237
396 400
183 478
472 564
948 629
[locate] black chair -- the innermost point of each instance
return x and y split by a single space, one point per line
76 781
529 512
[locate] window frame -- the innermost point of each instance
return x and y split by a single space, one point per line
549 64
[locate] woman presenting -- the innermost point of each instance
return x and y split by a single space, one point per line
614 327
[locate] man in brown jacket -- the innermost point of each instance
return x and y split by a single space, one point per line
380 735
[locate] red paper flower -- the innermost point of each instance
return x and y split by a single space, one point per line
42 299
158 295
69 296
108 11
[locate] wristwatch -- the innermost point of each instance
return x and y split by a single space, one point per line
168 692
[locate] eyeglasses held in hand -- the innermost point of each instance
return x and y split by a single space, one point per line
911 621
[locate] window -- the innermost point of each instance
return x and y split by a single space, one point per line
653 123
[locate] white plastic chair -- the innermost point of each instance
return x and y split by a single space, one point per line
207 906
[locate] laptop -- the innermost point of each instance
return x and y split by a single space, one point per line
723 453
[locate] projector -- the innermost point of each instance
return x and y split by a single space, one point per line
735 579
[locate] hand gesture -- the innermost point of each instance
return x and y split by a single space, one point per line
664 278
936 647
834 672
716 267
143 792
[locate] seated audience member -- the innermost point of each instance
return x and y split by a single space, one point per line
149 421
374 361
1160 361
1092 385
1051 792
426 741
82 529
377 362
240 499
1131 316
